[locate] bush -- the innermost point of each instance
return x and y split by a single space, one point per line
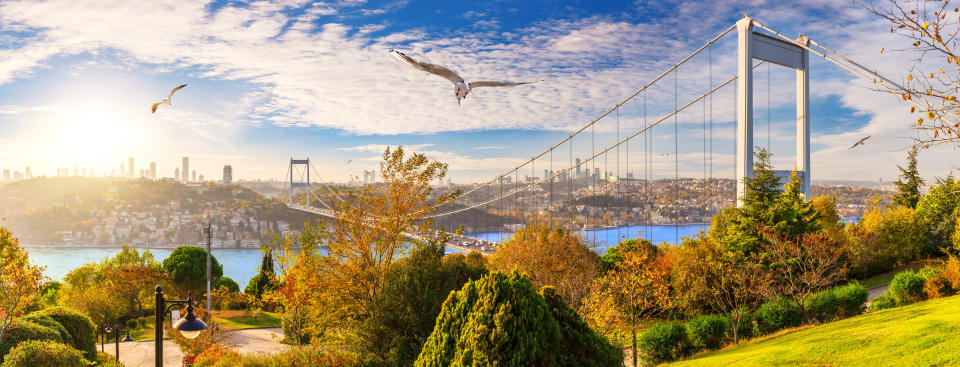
49 322
778 314
938 286
822 306
707 331
882 302
581 346
851 297
294 357
665 341
107 360
80 327
20 330
44 353
907 287
227 282
501 320
217 356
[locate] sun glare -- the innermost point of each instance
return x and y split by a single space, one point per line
95 133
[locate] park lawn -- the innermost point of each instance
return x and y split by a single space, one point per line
921 334
245 320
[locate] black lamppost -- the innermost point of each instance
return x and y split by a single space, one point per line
107 330
190 326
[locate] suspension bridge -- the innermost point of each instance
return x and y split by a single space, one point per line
623 169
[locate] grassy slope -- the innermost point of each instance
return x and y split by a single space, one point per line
921 334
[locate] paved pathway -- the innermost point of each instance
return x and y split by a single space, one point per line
141 354
874 292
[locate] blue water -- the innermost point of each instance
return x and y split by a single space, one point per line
602 238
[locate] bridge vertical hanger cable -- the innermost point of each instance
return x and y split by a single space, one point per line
550 201
570 179
769 120
619 199
593 180
676 155
710 72
647 169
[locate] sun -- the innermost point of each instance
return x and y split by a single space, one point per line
97 134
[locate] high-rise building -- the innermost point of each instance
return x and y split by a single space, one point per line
6 175
186 169
227 174
578 168
176 174
29 175
130 161
123 171
193 177
153 170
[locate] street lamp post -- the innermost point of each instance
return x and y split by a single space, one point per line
209 234
190 326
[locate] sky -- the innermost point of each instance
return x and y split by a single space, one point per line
271 80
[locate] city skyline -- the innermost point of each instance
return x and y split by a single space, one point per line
249 105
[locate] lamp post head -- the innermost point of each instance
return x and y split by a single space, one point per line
190 326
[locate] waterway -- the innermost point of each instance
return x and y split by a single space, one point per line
243 264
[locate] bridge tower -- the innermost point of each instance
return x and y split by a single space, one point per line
293 184
752 45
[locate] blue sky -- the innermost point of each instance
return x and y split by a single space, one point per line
274 80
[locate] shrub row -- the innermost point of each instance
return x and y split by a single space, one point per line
666 341
909 286
837 303
55 324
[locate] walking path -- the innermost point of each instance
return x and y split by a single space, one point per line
875 292
245 341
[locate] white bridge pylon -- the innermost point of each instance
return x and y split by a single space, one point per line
752 45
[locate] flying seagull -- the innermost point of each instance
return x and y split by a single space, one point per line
166 101
860 142
461 88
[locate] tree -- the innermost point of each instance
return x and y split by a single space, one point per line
132 276
933 30
228 283
187 268
800 266
615 254
329 295
550 256
937 211
705 279
908 186
502 320
404 313
637 288
19 279
266 281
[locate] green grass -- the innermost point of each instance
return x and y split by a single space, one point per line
921 334
265 319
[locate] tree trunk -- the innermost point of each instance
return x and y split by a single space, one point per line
633 330
3 328
735 321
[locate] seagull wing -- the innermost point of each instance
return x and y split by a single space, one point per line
154 108
428 67
497 84
179 87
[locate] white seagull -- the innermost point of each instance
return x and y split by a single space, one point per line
166 101
461 88
859 142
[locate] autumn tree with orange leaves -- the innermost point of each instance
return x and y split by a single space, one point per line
933 82
19 280
637 288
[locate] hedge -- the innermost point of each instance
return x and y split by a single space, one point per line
49 322
851 298
80 327
44 353
20 330
707 331
907 287
778 314
665 341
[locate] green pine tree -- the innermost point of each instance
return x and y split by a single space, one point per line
908 186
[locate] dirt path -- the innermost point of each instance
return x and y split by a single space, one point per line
141 354
874 292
